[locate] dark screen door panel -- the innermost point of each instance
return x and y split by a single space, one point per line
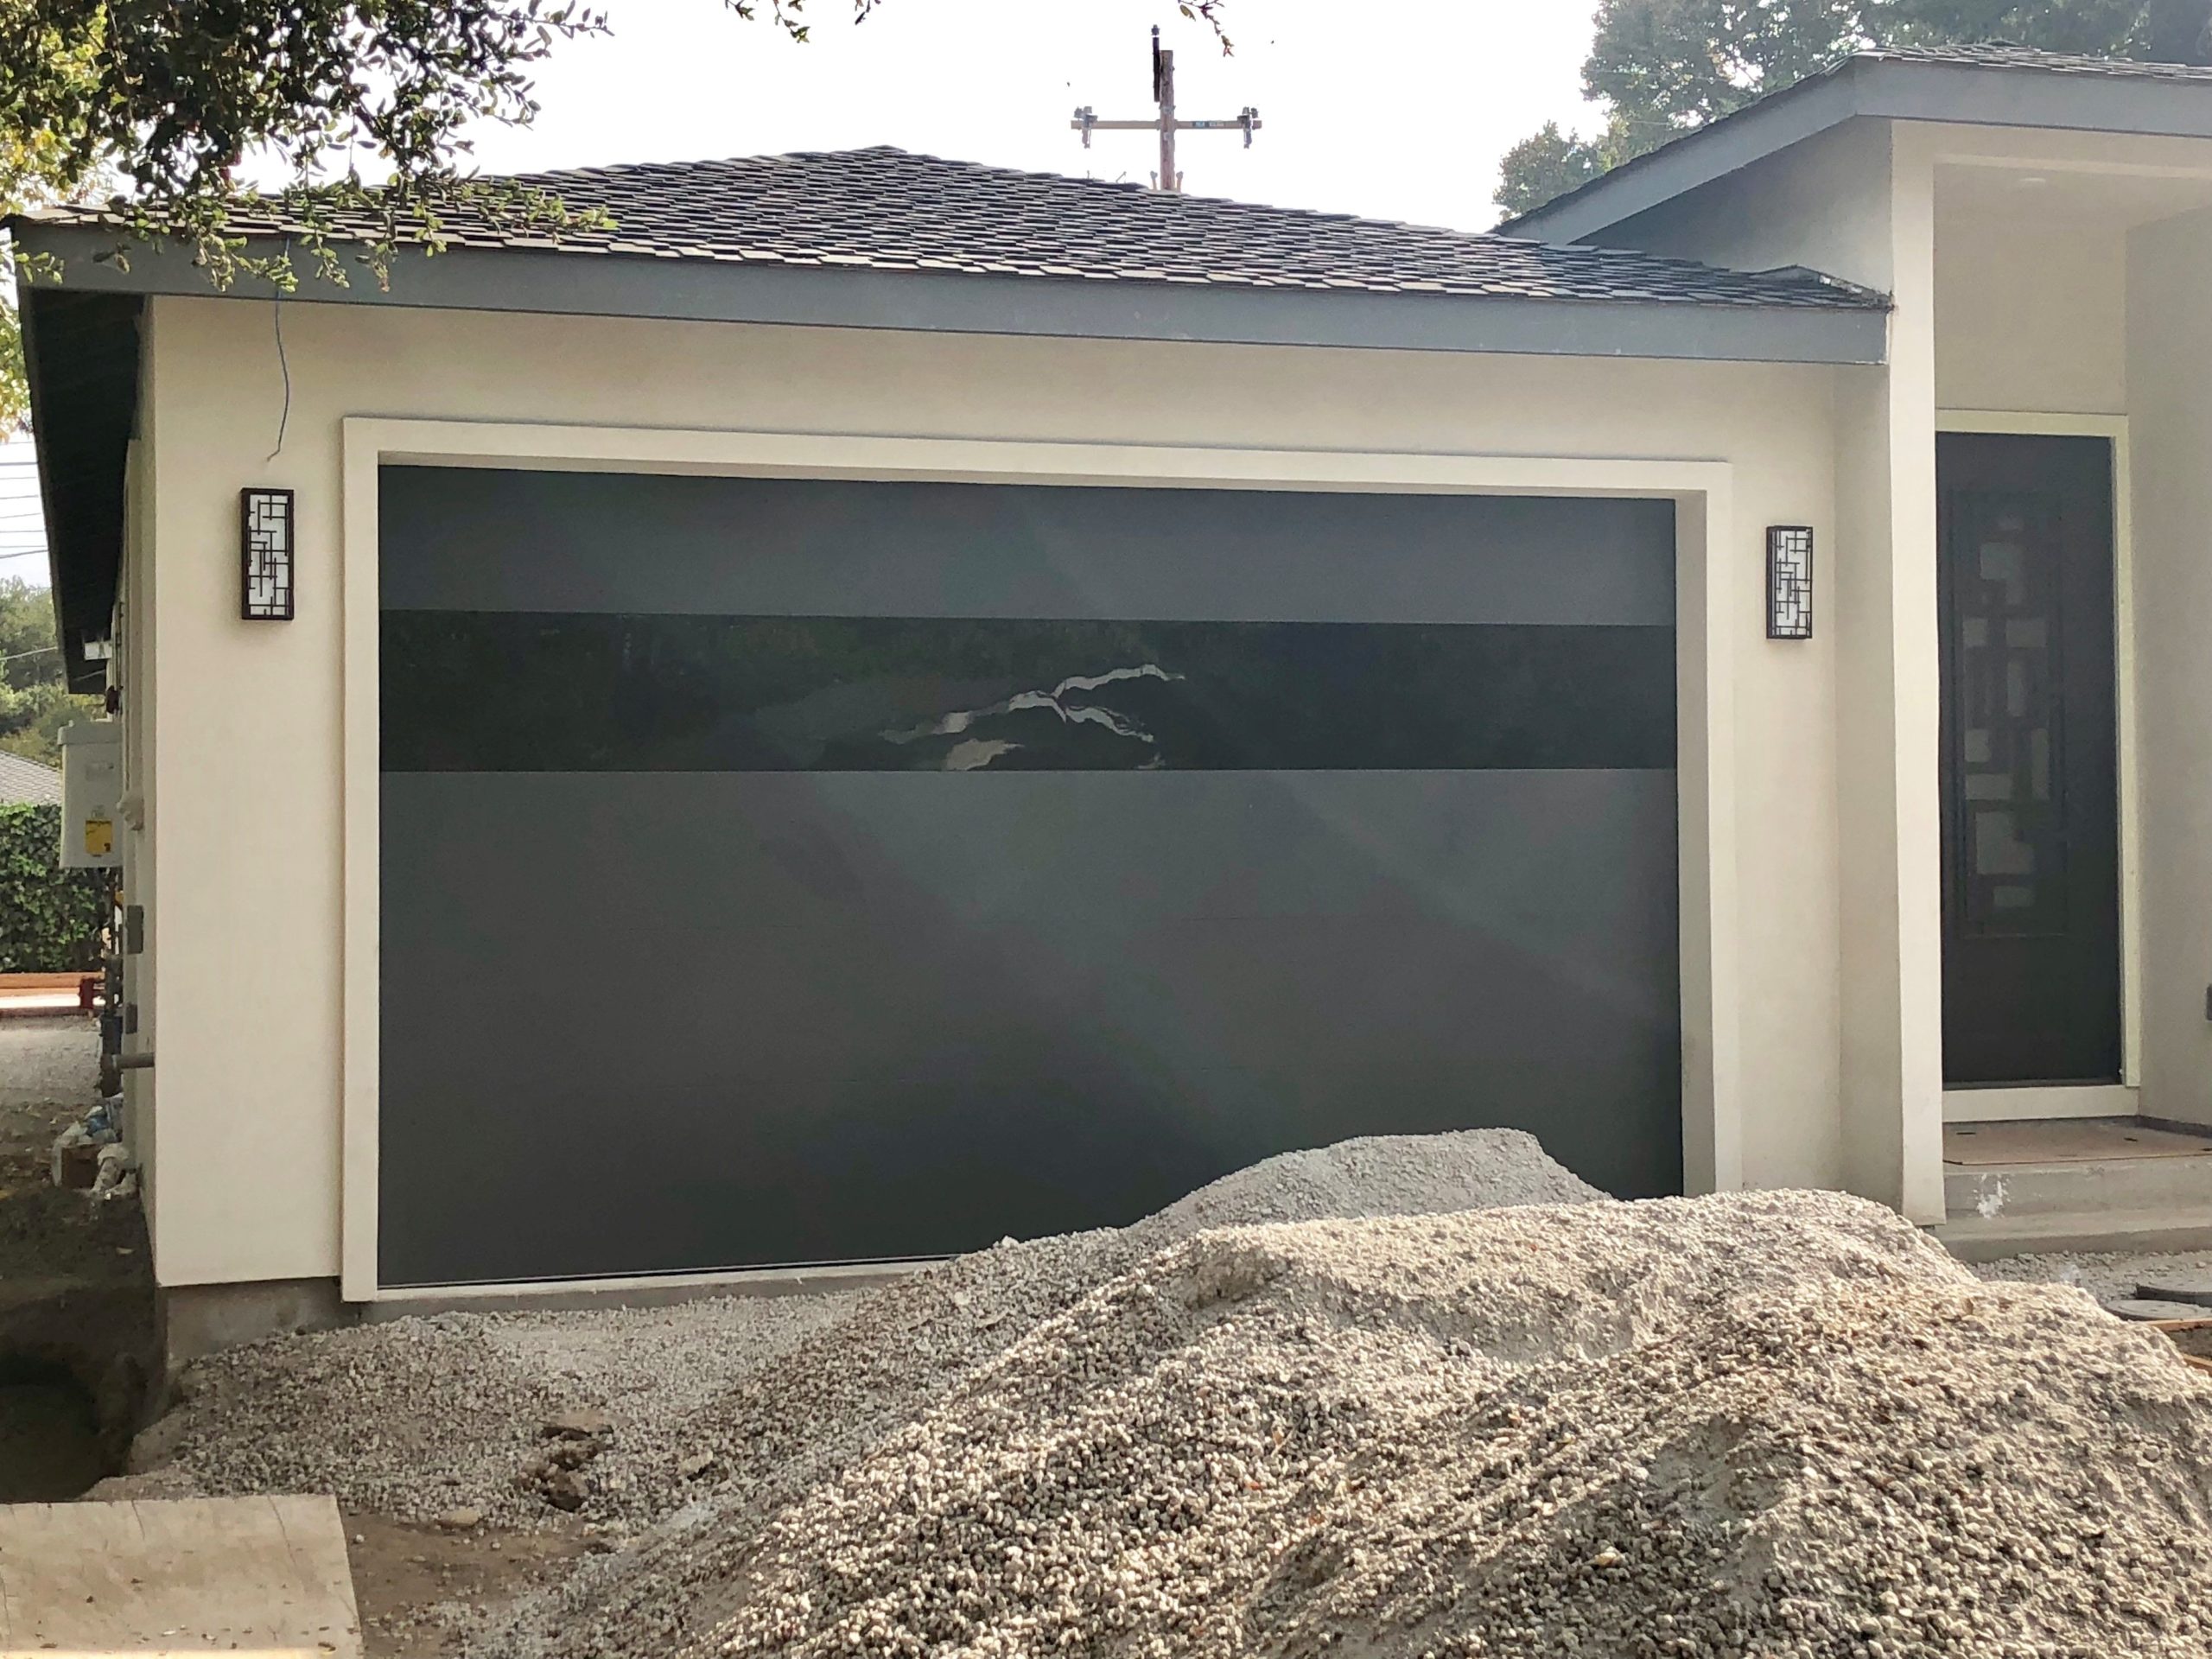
2031 988
782 872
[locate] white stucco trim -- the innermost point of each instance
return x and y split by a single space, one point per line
2041 1104
1709 614
2114 429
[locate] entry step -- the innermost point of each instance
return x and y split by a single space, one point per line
2087 1167
2167 1231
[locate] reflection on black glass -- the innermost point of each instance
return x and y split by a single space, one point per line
507 691
1071 715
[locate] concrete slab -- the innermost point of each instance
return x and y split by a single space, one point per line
265 1576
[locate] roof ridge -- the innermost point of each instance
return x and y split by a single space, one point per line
1172 201
887 208
1989 56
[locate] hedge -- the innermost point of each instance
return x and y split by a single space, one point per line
49 917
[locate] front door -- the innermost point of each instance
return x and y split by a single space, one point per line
2029 775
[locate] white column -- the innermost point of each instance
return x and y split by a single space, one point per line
1888 664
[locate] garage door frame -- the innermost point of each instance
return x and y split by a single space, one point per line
1705 607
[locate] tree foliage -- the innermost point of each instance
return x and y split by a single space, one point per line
1548 163
35 699
362 108
1664 68
15 399
49 918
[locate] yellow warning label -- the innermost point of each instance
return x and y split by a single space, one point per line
99 837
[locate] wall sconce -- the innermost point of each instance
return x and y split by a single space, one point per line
1789 583
266 546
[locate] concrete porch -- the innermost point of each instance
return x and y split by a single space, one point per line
2075 1185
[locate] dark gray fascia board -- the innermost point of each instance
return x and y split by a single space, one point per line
596 285
1961 95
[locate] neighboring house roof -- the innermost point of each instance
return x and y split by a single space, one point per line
1993 85
26 781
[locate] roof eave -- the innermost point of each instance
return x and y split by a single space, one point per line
551 281
82 362
1961 94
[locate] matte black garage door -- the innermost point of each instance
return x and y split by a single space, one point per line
781 871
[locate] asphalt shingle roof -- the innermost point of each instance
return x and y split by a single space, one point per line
1993 55
886 209
22 780
2002 54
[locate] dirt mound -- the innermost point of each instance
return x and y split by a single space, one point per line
1781 1424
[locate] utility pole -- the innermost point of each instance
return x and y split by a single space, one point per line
1086 121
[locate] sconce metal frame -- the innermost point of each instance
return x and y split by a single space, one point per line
267 555
1789 581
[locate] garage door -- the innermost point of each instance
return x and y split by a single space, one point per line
781 871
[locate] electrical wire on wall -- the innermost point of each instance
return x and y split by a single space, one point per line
284 363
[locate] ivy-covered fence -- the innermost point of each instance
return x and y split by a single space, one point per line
49 917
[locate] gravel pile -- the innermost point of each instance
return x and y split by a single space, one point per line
1781 1425
1376 1175
423 1417
2107 1277
779 1430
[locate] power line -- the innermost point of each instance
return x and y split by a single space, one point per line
23 656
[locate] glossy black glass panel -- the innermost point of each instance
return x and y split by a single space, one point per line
474 691
480 539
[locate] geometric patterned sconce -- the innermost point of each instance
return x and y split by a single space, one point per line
1789 583
265 553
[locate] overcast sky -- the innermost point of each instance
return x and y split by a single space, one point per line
1398 109
1394 108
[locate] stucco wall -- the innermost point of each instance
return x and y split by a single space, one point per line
2169 369
1824 204
1857 203
131 668
2030 316
248 832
